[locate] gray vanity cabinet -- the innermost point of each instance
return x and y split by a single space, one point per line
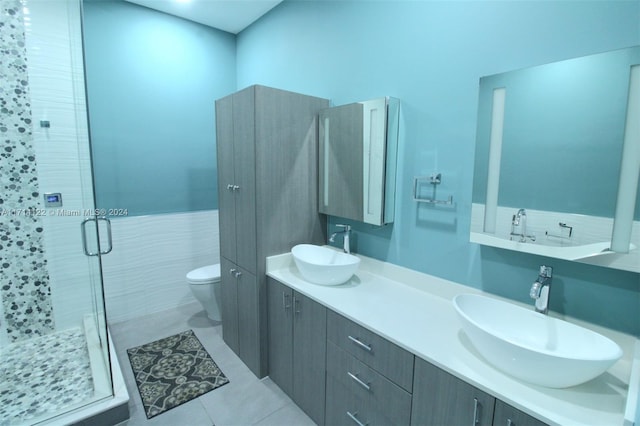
440 398
341 373
369 379
297 347
267 193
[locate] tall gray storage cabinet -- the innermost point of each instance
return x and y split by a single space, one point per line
267 195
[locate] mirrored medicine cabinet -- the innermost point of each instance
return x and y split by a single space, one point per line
557 159
357 160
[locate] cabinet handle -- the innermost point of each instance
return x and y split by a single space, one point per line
476 411
235 272
230 187
360 343
359 381
296 305
355 419
285 297
236 187
509 422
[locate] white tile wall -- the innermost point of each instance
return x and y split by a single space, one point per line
56 80
145 272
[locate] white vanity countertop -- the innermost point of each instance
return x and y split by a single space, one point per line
415 311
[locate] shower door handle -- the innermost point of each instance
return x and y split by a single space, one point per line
109 237
84 235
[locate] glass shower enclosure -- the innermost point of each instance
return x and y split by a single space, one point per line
54 356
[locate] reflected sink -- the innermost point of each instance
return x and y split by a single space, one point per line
324 266
532 346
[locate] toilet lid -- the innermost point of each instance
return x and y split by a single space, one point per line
206 274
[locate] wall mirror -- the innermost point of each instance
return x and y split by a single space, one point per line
357 160
557 160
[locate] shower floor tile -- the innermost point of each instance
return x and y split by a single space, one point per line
43 375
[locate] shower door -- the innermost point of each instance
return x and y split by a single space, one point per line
53 338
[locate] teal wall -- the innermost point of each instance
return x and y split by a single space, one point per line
152 80
430 55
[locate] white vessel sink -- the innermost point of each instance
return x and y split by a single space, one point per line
324 266
532 346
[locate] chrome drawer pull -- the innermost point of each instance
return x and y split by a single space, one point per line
476 412
355 419
358 381
359 343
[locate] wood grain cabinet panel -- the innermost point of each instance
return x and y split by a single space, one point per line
440 398
297 347
267 188
388 359
506 415
374 392
280 347
345 407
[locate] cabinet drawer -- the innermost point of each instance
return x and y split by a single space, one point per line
388 359
346 408
373 389
506 415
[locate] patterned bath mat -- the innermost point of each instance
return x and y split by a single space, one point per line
172 371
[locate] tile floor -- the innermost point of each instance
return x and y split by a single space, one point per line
245 400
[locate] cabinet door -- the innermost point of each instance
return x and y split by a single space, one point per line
309 356
248 320
226 195
280 345
229 304
245 176
506 415
442 399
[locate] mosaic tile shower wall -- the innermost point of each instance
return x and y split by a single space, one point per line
24 286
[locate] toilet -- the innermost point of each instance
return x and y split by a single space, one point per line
205 286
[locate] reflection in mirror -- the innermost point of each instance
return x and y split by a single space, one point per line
358 150
558 159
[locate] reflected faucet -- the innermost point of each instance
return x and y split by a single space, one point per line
346 244
541 288
519 220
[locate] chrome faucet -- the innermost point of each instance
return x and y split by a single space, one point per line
541 288
346 244
519 220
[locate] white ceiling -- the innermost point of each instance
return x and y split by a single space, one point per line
228 15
